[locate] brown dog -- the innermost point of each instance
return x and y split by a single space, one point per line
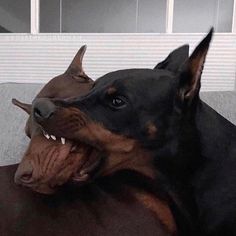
47 162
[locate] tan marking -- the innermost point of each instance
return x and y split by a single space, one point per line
195 65
111 90
151 130
121 152
126 153
160 209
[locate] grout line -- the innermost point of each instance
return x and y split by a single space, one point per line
60 16
217 16
234 18
34 16
169 16
137 15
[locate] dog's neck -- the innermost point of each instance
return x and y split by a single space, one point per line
201 135
217 135
202 139
216 153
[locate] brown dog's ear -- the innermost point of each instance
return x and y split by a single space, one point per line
175 59
24 106
75 69
190 75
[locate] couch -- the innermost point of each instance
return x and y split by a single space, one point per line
13 141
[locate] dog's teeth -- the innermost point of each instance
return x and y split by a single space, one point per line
73 148
53 137
63 140
47 136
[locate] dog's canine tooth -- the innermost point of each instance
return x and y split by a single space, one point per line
63 140
53 137
46 135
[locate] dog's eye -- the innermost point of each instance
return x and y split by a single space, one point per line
117 102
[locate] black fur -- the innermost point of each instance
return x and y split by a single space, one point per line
194 147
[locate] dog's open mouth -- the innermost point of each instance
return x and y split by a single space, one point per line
52 161
88 164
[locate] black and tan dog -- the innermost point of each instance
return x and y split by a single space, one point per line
151 123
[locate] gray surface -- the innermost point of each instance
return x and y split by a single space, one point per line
13 141
198 16
15 15
222 102
103 16
49 16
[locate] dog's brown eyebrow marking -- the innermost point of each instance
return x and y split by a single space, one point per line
151 129
111 90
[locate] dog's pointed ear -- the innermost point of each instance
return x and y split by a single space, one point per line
190 75
75 68
175 59
24 106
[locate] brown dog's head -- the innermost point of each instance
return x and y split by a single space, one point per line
49 163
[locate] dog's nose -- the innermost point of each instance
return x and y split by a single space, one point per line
24 173
43 109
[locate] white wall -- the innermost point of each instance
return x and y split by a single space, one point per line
29 58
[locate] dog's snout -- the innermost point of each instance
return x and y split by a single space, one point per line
24 173
43 109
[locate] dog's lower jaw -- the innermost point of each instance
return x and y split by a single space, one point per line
121 152
44 189
137 159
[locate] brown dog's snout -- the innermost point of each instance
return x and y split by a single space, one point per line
24 173
43 109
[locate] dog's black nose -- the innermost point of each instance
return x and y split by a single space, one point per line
43 109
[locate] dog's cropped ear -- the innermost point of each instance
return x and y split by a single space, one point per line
190 75
75 69
175 59
24 106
